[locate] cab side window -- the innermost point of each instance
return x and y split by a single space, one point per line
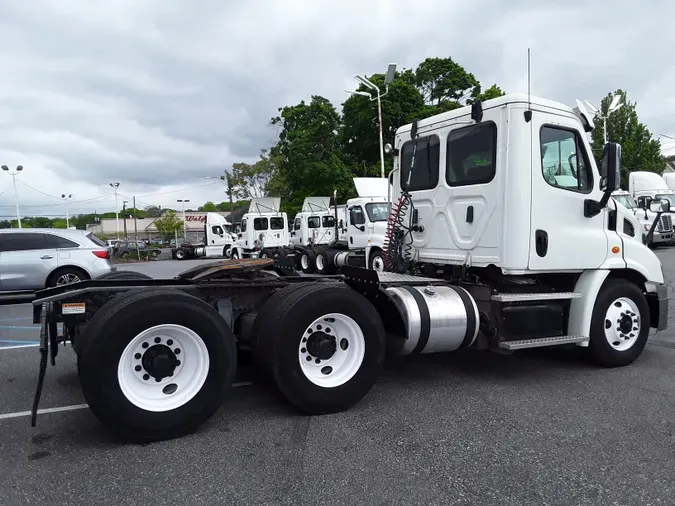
357 216
471 155
260 224
424 174
564 161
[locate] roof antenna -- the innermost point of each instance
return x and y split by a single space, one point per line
528 113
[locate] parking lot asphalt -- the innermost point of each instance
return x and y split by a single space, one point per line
536 427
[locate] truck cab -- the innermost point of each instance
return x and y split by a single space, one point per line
263 229
367 217
645 218
646 186
218 236
314 224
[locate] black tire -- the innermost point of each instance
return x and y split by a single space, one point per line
235 255
375 254
124 275
327 257
280 327
181 254
311 258
226 251
115 325
54 277
602 352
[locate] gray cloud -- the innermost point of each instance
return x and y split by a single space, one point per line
158 94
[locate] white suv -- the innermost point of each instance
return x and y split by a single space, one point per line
33 259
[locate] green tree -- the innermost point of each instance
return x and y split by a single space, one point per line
442 79
249 181
359 134
309 151
208 207
168 224
639 150
153 211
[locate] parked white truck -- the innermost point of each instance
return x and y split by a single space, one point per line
645 220
504 235
218 239
264 230
646 186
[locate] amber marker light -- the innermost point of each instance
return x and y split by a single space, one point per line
615 250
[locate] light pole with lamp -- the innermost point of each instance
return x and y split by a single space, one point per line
67 198
115 186
389 78
184 222
614 106
19 168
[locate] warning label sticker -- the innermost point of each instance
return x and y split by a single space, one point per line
72 308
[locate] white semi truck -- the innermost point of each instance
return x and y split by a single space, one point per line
646 186
264 230
661 233
494 248
218 239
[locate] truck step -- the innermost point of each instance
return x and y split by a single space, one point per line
524 297
540 342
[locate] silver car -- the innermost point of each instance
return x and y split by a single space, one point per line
33 259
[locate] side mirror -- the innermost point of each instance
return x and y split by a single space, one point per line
659 206
610 175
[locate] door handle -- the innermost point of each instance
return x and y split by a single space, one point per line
541 242
46 257
469 214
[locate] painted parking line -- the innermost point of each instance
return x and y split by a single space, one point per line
15 318
74 407
18 341
20 327
34 345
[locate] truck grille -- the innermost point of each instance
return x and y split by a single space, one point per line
665 223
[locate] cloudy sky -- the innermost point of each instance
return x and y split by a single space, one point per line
159 94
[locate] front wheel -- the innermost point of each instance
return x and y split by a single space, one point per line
181 254
155 364
620 324
323 344
376 261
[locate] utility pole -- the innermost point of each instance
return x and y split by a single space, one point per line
135 222
124 217
115 186
19 168
183 201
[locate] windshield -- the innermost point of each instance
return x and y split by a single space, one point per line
626 200
378 212
667 196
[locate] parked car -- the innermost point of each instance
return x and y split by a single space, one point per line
124 249
32 259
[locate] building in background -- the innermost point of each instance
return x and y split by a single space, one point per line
194 227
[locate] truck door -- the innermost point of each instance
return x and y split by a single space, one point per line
215 240
561 237
358 236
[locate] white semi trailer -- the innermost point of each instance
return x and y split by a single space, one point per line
493 246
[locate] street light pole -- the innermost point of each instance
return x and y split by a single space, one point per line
389 78
184 222
115 186
19 168
614 106
67 198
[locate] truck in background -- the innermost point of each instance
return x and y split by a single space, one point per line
264 230
217 241
646 186
645 219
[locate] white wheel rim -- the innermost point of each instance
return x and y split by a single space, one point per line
378 263
319 262
180 254
622 324
304 261
171 392
331 350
